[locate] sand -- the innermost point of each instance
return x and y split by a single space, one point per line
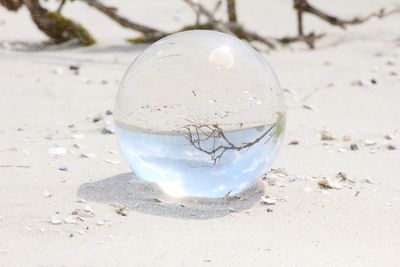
41 98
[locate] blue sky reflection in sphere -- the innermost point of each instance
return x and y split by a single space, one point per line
201 113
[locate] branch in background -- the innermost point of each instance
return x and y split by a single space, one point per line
217 7
309 39
60 7
300 30
213 24
57 27
232 16
199 9
111 12
250 36
12 5
61 29
304 6
151 39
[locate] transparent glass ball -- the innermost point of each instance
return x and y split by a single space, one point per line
200 113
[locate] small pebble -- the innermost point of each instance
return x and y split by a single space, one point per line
73 67
391 147
294 142
122 211
369 142
366 181
353 147
308 107
97 118
111 161
389 136
268 201
108 128
87 208
77 146
88 155
55 220
63 168
326 136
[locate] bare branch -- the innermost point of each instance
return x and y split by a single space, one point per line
300 30
231 5
12 5
217 7
60 7
199 9
309 39
304 6
250 36
150 39
111 12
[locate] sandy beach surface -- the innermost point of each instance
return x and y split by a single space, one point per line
348 86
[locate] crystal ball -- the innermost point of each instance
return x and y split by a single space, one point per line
200 114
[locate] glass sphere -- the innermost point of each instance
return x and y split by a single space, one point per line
200 113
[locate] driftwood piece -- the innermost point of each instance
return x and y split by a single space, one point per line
12 5
57 27
61 29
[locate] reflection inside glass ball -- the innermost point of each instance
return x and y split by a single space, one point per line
200 113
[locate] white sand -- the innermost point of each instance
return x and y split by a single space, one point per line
306 229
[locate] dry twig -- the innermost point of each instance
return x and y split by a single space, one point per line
231 5
60 7
111 12
303 6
